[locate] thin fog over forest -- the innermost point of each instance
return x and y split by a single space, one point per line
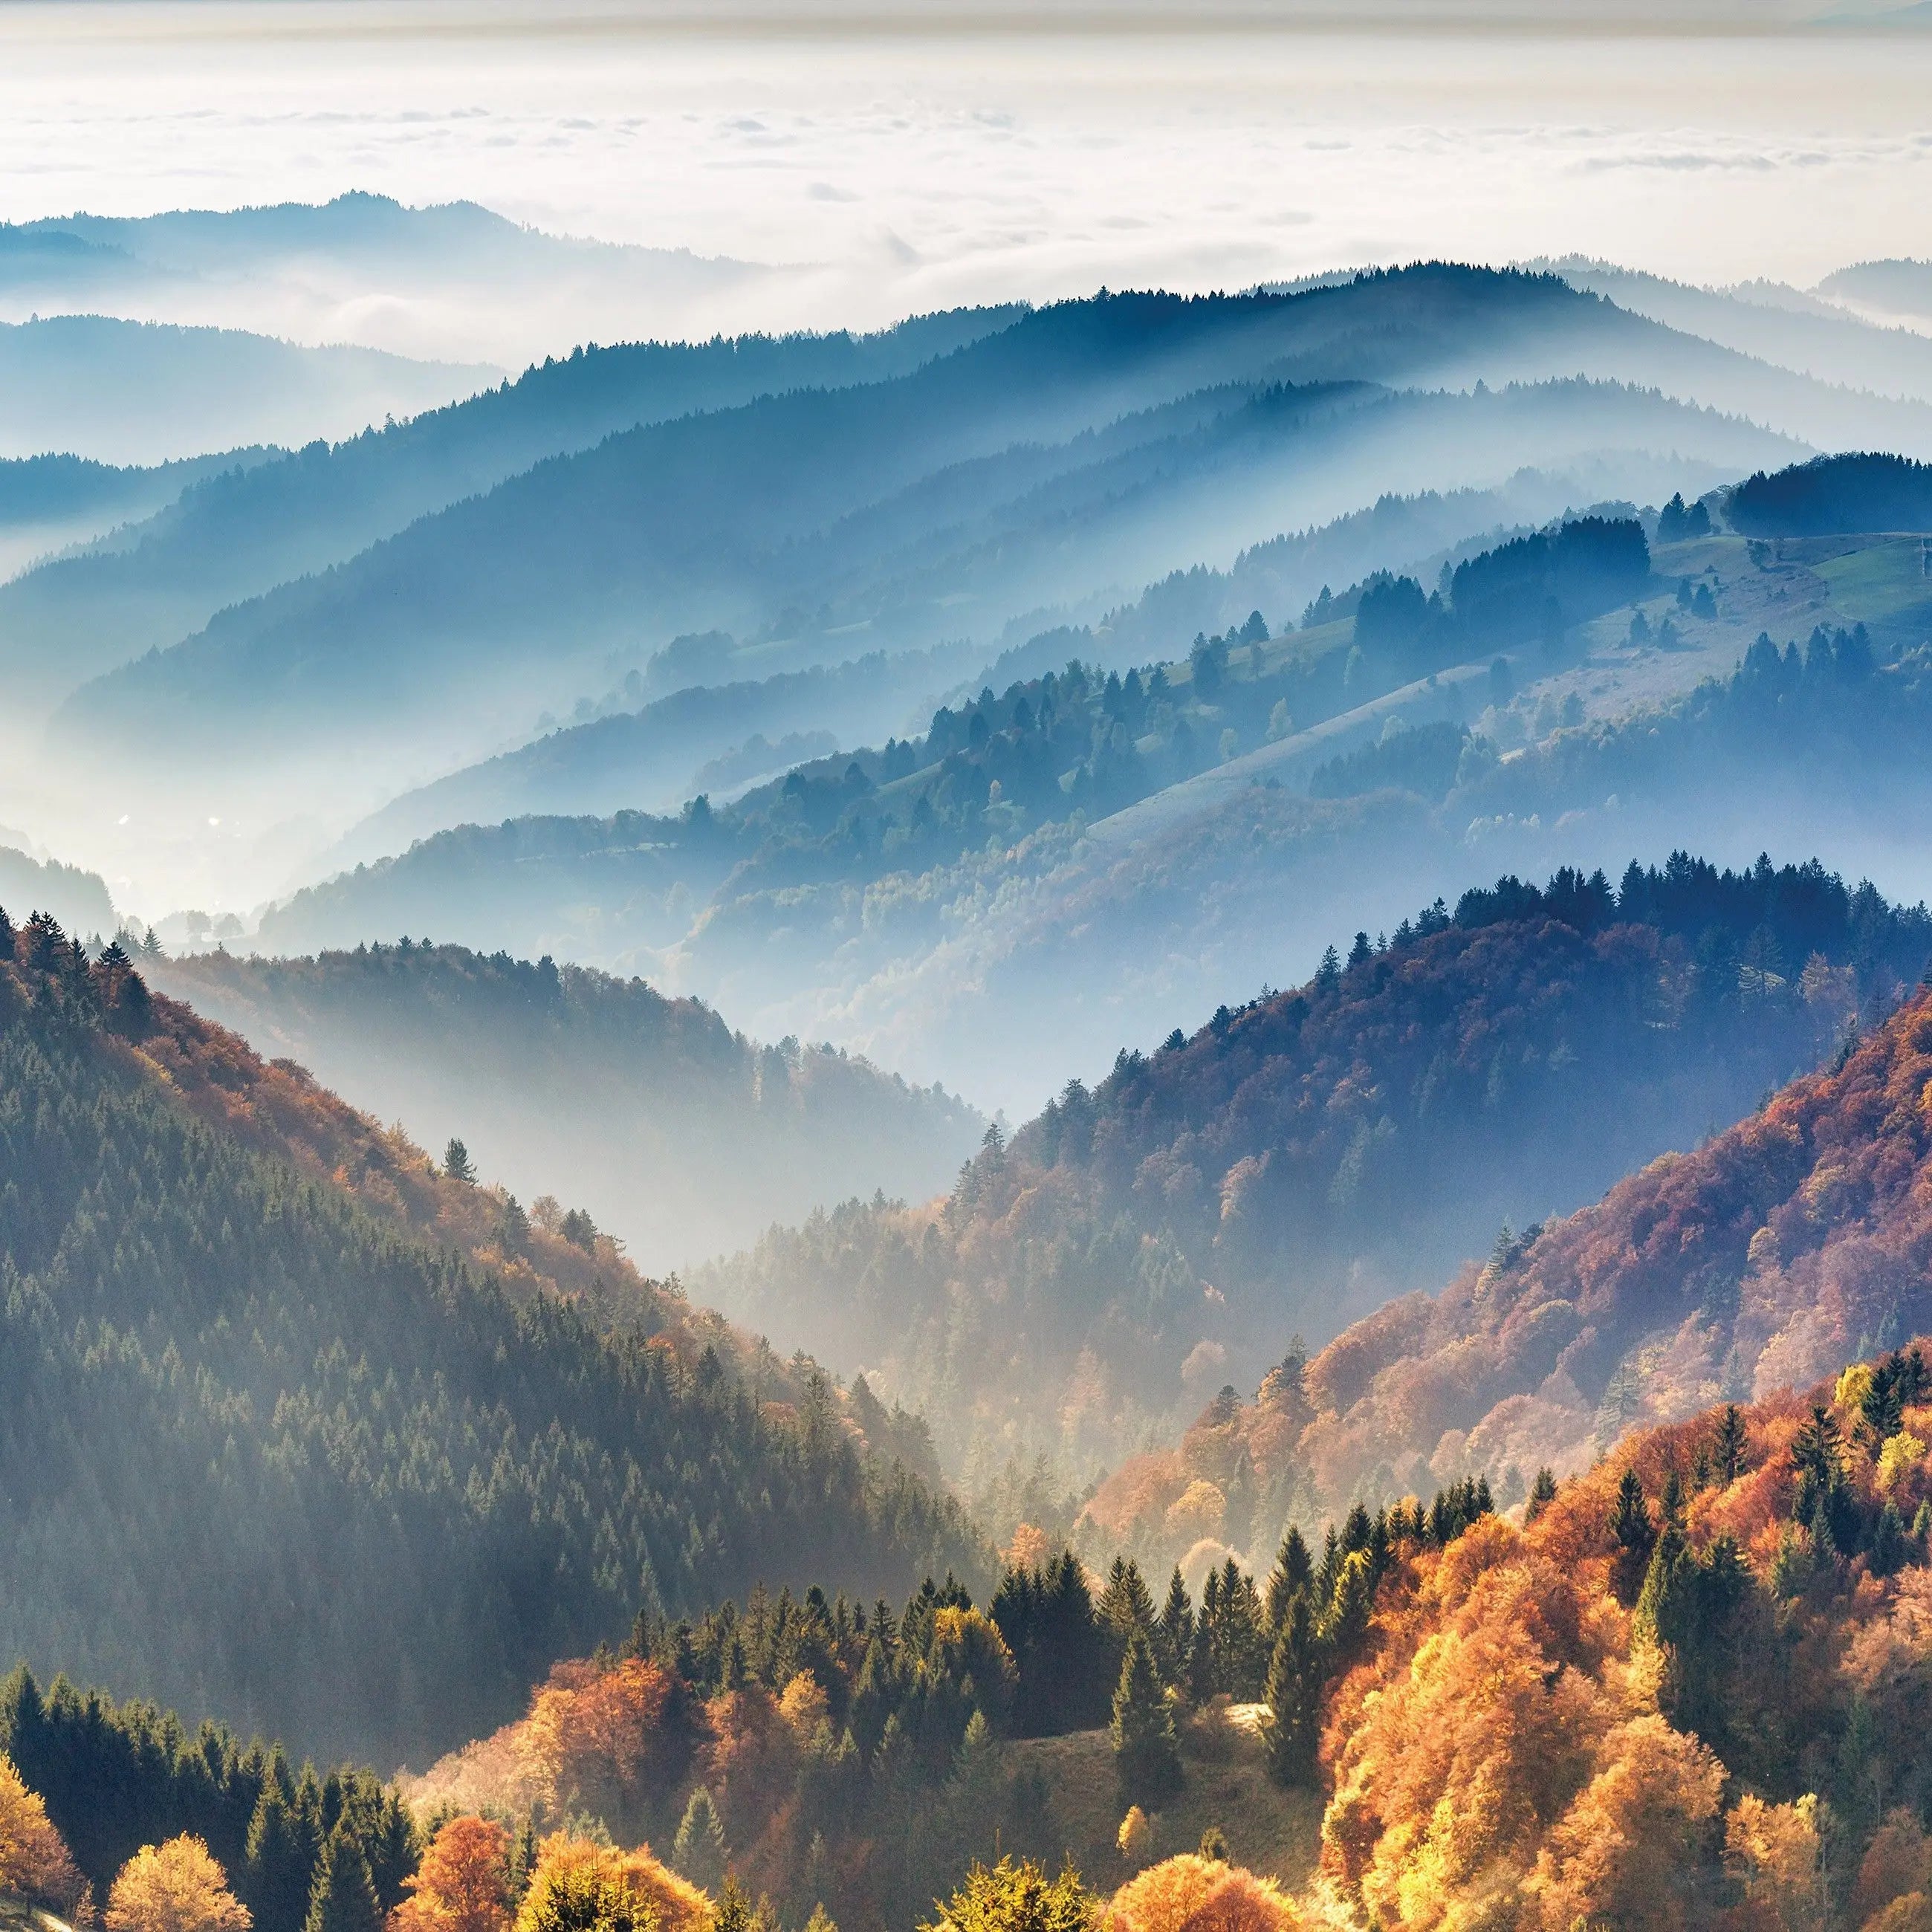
965 969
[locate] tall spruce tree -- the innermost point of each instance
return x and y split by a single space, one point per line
1297 1674
1294 1570
344 1897
1173 1643
1147 1753
1635 1535
280 1873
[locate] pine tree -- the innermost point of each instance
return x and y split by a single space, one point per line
278 1878
1635 1535
699 1849
1147 1753
456 1162
344 1897
1174 1641
1294 1570
734 1912
1125 1605
1543 1493
1296 1675
1347 1628
1730 1448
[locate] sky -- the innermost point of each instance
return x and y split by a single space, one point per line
900 165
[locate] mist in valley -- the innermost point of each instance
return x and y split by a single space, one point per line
942 947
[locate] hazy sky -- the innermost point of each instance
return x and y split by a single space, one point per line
916 166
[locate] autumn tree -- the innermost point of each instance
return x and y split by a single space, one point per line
175 1887
463 1884
1631 1850
1194 1894
34 1858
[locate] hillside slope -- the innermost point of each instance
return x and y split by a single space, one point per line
1690 1694
684 527
1141 1244
680 1136
273 1388
1786 1246
241 533
132 392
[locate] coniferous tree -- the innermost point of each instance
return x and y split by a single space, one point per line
1147 1753
1635 1536
280 1873
344 1899
1173 1643
1294 1570
1729 1457
699 1848
1542 1494
1296 1675
456 1161
1346 1628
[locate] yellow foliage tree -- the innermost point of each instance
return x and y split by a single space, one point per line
1445 1787
175 1887
34 1858
579 1884
1774 1850
1626 1851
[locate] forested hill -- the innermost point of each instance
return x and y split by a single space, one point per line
270 1389
685 1138
1795 1241
1302 1157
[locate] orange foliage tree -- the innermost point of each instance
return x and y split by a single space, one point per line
1191 1894
463 1884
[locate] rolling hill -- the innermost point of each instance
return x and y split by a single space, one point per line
275 1387
240 535
1149 849
1141 1244
633 539
132 392
1786 1246
679 1135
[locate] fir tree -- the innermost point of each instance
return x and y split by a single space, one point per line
699 1848
1296 1674
1174 1640
1729 1453
1542 1494
1635 1536
344 1897
1294 1571
1147 1753
280 1872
